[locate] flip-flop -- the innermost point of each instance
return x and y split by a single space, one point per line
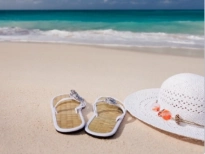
108 114
66 112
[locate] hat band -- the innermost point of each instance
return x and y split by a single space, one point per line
166 115
178 119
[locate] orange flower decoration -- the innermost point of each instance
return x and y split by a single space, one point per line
165 114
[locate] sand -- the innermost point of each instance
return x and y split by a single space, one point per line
32 74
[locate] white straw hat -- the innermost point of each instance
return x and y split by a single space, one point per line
182 95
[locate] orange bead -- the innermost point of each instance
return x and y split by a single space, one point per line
166 115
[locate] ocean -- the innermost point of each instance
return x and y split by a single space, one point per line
126 28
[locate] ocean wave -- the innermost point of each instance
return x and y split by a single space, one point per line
107 37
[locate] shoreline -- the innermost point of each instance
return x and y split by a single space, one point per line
188 52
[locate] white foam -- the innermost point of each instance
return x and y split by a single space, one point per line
107 37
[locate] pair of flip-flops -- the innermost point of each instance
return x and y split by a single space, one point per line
67 115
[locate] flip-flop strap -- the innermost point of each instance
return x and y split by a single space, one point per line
73 96
110 101
78 98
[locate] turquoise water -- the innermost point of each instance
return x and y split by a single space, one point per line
162 28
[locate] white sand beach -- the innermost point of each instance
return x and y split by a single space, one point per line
32 74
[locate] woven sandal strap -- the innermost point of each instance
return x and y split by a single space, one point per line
73 96
110 101
77 97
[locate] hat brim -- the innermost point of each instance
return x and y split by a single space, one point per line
139 104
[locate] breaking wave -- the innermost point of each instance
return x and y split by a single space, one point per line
107 37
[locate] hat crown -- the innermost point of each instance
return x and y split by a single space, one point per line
183 94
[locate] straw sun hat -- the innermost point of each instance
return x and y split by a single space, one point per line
177 107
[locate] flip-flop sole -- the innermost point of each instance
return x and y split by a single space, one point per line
67 120
67 117
106 119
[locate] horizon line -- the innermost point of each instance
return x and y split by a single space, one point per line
94 9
